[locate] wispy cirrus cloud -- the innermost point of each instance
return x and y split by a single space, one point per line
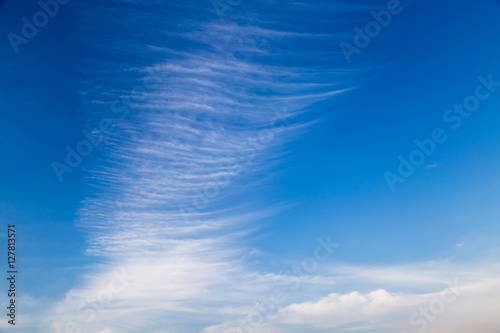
159 207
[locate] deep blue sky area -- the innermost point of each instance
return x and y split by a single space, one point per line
39 117
326 174
337 174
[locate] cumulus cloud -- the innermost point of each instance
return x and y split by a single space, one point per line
457 308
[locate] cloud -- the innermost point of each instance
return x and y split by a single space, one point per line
457 308
337 310
160 217
159 207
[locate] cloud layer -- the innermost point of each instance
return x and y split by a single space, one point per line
200 105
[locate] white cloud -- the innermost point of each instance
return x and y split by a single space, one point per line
157 208
185 258
464 309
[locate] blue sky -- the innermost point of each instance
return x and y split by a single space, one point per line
240 138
